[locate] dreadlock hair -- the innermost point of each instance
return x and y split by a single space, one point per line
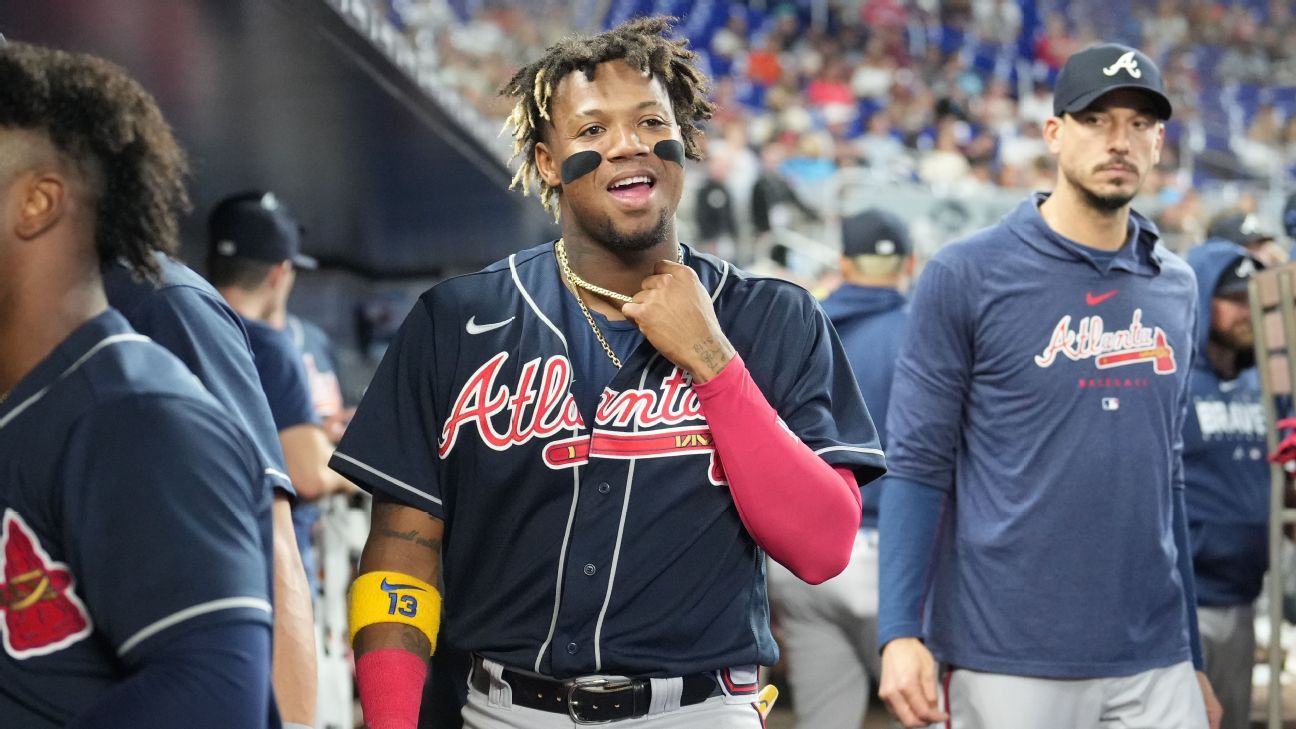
110 130
642 43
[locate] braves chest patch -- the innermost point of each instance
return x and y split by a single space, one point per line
653 422
38 600
1135 345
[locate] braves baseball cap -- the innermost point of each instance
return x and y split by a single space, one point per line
875 233
256 225
1236 275
1241 228
1096 70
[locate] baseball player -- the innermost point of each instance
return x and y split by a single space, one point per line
1246 230
600 438
184 314
255 247
134 564
1033 535
1226 474
828 632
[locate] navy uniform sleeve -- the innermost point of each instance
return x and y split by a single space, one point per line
161 508
283 378
822 404
932 379
209 338
390 445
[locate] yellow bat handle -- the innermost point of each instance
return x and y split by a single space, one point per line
765 699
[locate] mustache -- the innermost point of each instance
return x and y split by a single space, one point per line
1117 164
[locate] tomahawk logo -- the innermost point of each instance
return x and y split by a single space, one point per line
1127 62
42 613
1118 348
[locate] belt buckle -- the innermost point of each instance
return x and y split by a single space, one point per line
593 685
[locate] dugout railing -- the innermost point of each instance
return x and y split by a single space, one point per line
1273 317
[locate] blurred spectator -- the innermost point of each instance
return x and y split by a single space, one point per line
773 197
1056 43
717 228
882 151
944 164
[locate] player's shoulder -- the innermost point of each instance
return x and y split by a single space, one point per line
1173 266
266 340
176 282
105 363
728 282
500 282
986 247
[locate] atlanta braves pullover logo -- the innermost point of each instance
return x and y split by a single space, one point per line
628 423
42 613
1118 348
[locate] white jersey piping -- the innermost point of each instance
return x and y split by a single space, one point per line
114 339
385 477
571 514
189 613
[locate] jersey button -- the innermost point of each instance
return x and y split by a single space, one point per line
590 570
604 487
572 648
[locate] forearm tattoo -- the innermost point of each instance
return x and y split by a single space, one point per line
412 536
714 355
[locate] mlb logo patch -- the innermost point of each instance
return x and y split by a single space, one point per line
1111 403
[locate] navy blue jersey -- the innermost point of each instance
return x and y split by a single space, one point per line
572 549
316 352
1046 394
871 322
283 375
192 320
321 366
131 508
1225 471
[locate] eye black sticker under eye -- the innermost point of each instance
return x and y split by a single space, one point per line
671 150
579 165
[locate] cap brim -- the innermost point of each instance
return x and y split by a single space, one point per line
1160 102
301 260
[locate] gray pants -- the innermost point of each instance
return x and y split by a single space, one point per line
495 710
828 633
1228 644
1162 698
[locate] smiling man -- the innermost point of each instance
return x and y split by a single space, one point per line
1033 537
606 432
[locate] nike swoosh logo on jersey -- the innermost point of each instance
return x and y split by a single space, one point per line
389 587
1229 386
474 328
1092 300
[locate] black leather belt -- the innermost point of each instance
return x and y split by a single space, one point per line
595 700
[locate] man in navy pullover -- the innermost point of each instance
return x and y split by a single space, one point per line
1033 536
1226 475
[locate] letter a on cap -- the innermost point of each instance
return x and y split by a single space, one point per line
1127 62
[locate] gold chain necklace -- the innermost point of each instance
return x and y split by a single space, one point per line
560 252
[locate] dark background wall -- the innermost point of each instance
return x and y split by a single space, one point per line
285 95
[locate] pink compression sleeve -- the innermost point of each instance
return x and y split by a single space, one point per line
391 688
802 511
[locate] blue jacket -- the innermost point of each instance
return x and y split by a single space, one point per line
1043 391
1226 476
871 322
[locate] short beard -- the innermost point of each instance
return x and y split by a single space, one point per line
1102 203
618 242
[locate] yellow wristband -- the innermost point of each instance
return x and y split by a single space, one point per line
392 597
